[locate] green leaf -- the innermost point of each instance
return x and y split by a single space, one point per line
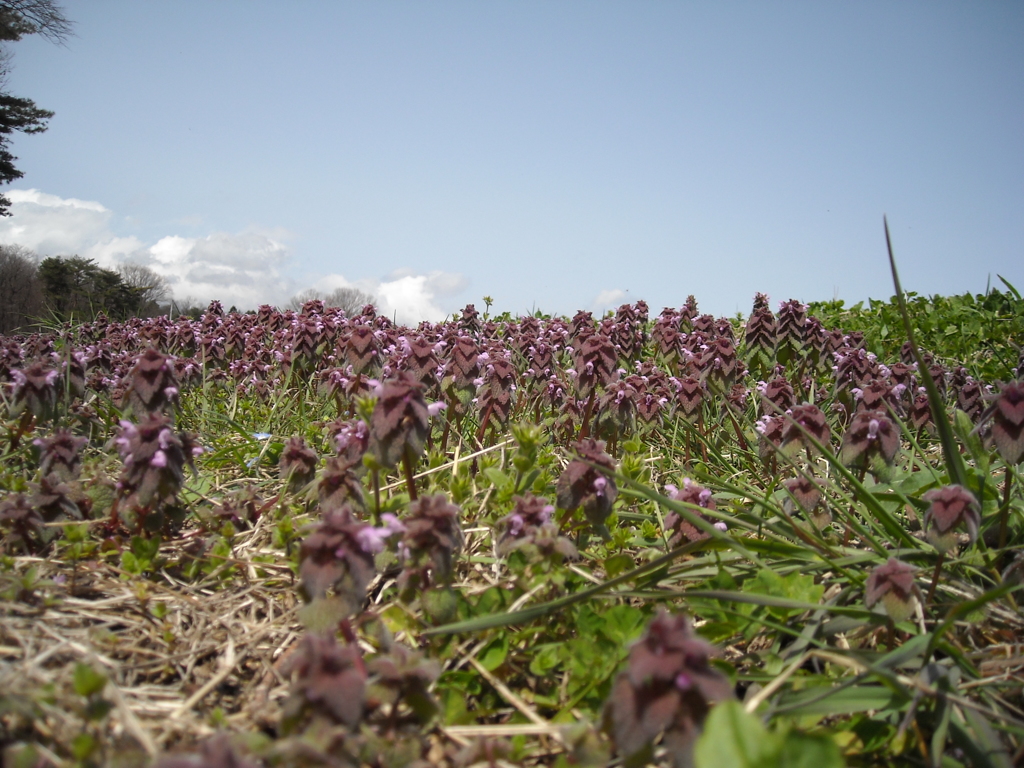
23 756
801 750
498 478
97 709
776 602
528 480
130 562
734 738
82 746
494 653
145 549
88 681
1014 291
622 623
453 705
617 564
546 658
324 613
440 604
837 701
795 586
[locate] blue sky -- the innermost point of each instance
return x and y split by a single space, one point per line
552 155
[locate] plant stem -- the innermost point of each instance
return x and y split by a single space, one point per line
447 429
1004 513
935 579
846 532
115 520
736 427
376 496
410 483
484 419
23 426
585 426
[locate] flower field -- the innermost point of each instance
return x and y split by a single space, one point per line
309 539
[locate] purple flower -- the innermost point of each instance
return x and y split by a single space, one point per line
154 459
668 688
870 439
338 554
529 529
152 386
807 495
400 422
680 528
1007 414
35 389
893 585
392 523
329 677
60 454
371 540
297 464
579 486
950 506
351 438
812 421
432 536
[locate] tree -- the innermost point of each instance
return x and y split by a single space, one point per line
17 19
34 17
151 290
78 288
349 299
67 285
21 295
189 306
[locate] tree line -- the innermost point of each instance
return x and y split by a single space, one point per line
59 288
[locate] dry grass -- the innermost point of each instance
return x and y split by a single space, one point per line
214 655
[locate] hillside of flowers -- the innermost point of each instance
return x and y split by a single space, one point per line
301 538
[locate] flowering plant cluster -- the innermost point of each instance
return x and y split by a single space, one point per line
668 689
420 500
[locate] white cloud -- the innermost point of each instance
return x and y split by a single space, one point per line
52 225
611 299
245 269
405 296
242 270
408 300
36 197
110 253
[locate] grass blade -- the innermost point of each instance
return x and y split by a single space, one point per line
954 463
538 611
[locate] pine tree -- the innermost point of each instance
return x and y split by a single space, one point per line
17 19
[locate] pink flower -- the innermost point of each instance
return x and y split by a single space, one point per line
893 585
951 506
